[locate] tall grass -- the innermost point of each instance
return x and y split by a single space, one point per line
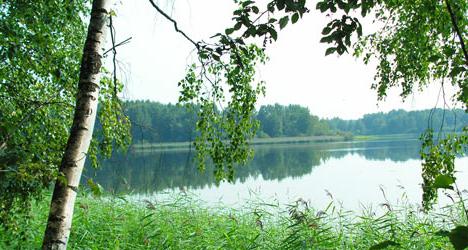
185 223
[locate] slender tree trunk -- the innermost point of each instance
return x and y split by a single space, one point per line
66 187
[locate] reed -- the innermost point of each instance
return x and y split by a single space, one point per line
182 222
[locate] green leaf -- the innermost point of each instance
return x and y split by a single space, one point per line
322 6
203 55
280 4
255 9
457 70
229 31
252 31
327 39
271 7
459 237
330 51
444 181
237 26
96 188
348 40
283 21
295 17
216 56
359 30
247 3
273 33
384 244
326 30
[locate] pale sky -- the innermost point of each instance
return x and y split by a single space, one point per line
297 72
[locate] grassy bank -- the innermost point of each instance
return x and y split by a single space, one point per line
385 137
183 223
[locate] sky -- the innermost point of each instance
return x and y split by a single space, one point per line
298 72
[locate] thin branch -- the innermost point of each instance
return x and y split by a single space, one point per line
114 54
174 22
119 44
259 16
9 170
457 30
443 112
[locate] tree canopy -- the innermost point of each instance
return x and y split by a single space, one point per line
40 51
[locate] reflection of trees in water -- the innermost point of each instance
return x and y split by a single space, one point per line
279 163
396 151
159 170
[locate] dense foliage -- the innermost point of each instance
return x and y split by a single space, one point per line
155 122
40 51
292 120
419 43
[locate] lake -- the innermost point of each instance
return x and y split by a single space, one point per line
355 174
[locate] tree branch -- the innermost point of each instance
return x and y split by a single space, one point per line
114 54
117 45
175 24
457 30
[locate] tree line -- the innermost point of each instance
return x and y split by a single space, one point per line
403 122
154 122
157 122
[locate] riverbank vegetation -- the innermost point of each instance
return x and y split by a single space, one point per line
180 222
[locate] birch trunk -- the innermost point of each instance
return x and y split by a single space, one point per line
66 187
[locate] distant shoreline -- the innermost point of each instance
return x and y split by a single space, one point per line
283 140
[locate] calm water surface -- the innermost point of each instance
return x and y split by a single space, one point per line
352 173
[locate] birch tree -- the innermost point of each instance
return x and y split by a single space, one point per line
66 186
41 47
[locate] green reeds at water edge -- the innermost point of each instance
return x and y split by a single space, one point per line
182 222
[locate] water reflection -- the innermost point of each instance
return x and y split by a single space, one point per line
152 171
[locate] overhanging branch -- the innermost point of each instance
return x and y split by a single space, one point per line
457 30
175 24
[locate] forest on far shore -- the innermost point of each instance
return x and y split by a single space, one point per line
156 122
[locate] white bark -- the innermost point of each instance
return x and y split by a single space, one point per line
66 187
